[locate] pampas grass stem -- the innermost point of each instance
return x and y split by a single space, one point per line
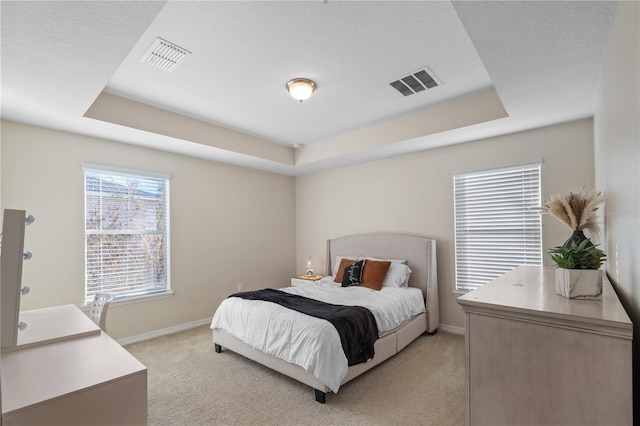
576 209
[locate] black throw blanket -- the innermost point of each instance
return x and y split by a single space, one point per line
356 325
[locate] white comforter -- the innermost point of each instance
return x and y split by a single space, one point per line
310 342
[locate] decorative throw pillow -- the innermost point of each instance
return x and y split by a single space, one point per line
352 274
344 262
374 273
336 263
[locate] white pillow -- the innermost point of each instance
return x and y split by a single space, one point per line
397 275
403 261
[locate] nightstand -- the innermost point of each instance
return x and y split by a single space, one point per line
303 279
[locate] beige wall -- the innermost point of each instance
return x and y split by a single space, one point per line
229 224
413 194
1 205
617 168
227 219
617 146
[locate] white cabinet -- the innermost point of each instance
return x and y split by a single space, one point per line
57 367
534 357
66 371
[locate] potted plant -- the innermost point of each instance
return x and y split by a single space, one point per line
578 274
578 260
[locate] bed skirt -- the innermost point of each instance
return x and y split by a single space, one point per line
385 348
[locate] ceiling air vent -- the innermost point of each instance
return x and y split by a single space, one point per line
164 55
416 82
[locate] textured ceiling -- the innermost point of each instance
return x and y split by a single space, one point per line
238 68
505 67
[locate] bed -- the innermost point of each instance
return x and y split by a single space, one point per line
418 253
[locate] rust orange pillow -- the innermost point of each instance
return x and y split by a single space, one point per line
373 274
344 262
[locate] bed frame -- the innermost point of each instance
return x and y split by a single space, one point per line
420 254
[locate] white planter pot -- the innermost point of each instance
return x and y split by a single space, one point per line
579 283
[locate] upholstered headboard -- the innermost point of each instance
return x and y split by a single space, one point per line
419 252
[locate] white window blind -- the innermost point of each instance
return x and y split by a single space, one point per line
496 227
126 233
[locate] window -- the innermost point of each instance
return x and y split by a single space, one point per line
126 233
496 227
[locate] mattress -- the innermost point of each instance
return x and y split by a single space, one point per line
313 343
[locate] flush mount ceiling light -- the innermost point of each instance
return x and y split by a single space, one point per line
301 88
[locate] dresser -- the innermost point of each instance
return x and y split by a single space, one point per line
65 370
534 357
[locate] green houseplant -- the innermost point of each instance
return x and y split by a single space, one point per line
577 274
578 256
578 261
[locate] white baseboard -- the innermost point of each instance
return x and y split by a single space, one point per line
165 331
451 329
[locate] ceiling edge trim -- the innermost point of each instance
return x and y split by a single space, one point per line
125 112
478 108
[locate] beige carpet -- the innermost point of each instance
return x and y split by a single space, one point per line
189 384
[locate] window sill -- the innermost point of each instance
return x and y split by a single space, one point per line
127 300
461 292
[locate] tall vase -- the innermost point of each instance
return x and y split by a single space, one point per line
577 236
